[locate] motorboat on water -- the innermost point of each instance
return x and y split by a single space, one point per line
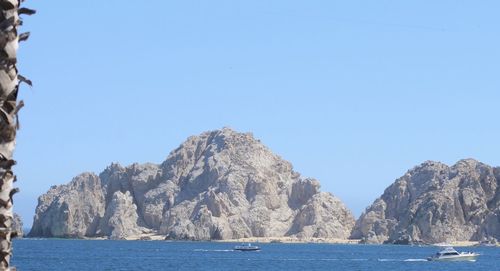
247 247
450 254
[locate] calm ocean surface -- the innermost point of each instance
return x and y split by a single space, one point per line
57 254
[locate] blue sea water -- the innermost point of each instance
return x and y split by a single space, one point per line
62 254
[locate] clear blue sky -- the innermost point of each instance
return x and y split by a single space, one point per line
353 93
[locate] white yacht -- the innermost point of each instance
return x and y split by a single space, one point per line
247 247
450 254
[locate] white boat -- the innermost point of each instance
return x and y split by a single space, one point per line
247 247
450 254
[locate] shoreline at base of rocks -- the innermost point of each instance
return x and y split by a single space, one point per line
284 240
287 240
153 236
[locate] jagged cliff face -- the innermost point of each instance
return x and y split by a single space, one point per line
219 185
70 210
436 203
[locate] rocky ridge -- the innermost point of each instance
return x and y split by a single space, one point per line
435 203
218 185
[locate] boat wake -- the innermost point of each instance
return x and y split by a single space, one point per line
402 260
213 250
317 259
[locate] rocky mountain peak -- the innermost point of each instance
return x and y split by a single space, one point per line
218 185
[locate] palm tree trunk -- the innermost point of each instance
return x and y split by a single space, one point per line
9 86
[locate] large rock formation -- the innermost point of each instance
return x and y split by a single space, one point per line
219 185
436 203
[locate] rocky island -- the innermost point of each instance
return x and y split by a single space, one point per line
17 226
219 185
435 203
225 185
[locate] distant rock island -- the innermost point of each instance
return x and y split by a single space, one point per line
216 186
17 226
435 203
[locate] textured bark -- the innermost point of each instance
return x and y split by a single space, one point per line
9 86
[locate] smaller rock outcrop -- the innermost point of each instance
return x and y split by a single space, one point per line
435 203
71 210
120 219
17 226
